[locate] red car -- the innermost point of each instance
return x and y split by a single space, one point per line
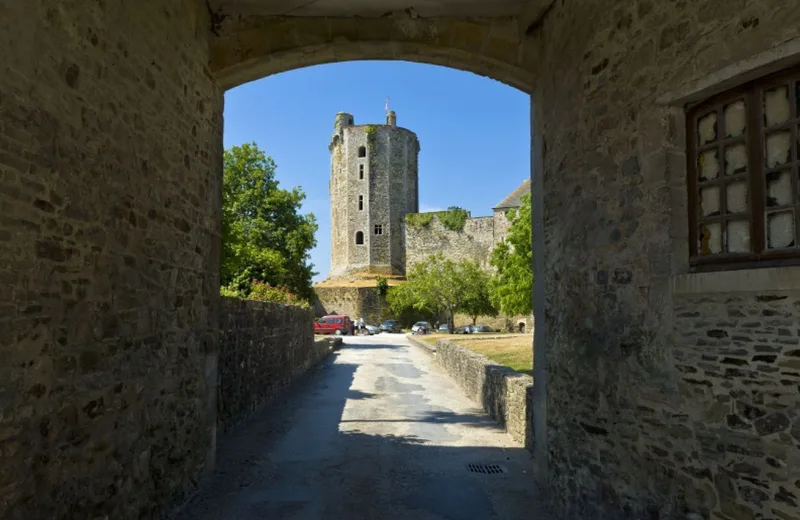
338 324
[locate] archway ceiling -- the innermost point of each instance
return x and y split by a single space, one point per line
375 8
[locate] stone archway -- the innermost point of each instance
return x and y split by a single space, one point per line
110 138
252 47
249 47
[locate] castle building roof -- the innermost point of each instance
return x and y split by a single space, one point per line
514 199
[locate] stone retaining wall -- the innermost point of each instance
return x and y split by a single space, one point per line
263 348
506 395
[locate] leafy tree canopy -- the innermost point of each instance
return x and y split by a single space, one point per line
512 284
440 286
264 237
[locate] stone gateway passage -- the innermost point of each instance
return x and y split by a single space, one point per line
666 251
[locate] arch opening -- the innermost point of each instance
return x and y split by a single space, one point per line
250 48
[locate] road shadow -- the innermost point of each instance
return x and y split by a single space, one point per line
299 458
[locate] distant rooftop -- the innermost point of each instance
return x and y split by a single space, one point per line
514 199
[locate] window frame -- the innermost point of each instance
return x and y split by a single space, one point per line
754 139
378 229
362 238
362 152
360 203
360 172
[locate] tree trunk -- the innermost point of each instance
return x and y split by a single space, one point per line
451 320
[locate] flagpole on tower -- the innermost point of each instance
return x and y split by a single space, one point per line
387 105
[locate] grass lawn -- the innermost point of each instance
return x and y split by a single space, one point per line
511 350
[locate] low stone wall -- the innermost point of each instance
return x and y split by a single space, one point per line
263 348
506 395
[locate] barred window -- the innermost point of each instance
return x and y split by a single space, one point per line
743 175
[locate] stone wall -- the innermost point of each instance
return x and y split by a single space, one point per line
356 302
110 142
498 323
738 444
627 435
474 242
263 348
506 395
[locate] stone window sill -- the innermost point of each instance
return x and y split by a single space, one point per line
746 280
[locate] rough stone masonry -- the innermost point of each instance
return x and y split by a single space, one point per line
110 161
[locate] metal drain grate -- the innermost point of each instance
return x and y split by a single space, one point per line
486 469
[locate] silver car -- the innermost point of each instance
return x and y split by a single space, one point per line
372 329
418 325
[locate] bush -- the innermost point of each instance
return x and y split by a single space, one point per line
231 292
454 218
419 220
382 285
264 292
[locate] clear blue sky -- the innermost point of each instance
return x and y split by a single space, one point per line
474 132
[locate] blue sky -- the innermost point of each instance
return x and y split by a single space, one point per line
474 132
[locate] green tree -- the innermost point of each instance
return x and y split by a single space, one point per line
264 237
477 293
439 286
512 285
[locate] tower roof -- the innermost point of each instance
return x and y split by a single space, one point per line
514 199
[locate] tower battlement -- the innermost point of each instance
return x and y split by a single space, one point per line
373 185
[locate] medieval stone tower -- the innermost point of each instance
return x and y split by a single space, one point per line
374 184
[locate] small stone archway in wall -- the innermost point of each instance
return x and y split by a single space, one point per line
248 48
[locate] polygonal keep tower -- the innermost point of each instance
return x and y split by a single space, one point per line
374 184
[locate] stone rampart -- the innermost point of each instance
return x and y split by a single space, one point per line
356 302
474 242
263 348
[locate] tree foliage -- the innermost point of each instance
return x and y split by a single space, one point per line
440 286
264 237
476 286
512 285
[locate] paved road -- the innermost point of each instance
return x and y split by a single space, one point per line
376 432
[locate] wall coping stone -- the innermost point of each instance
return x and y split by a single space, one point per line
421 344
746 280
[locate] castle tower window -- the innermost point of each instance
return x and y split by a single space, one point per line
378 229
362 151
360 202
359 238
360 171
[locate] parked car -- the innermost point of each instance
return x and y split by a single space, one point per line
372 329
464 329
391 326
481 328
418 325
444 327
339 324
